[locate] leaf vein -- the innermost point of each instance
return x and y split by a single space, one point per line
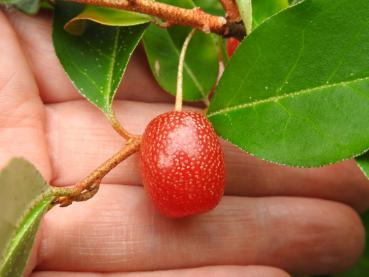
285 81
288 95
111 69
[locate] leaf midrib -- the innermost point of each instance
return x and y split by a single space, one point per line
25 225
280 97
109 80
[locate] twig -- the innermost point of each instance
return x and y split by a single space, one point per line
195 17
231 9
89 186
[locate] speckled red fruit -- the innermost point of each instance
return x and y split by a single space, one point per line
232 45
182 164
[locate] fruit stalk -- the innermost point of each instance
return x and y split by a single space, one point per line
179 91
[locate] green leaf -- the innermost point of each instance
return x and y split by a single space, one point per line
363 163
245 9
293 2
26 6
361 268
210 6
201 62
296 92
262 10
105 16
30 7
95 61
163 46
24 198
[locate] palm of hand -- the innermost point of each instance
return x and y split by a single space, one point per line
270 216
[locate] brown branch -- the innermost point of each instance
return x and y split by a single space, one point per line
195 17
231 9
131 147
89 186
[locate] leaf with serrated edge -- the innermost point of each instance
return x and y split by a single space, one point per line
296 91
95 61
24 198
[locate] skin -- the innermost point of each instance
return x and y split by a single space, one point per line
302 221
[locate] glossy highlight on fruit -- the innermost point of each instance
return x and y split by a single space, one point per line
182 163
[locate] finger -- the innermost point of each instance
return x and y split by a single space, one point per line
119 230
35 33
83 142
21 110
213 271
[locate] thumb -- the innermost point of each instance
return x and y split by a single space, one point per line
21 110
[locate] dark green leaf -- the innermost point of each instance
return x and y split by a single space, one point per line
27 6
96 60
210 6
30 7
262 10
296 91
293 2
201 62
23 200
162 47
363 163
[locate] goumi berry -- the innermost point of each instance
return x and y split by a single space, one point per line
232 45
182 164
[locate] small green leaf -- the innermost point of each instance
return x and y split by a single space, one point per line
95 61
363 163
201 62
262 10
105 16
245 9
30 7
296 90
24 198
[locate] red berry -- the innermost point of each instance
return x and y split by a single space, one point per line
182 164
232 45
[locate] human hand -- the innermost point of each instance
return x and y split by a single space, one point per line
299 220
